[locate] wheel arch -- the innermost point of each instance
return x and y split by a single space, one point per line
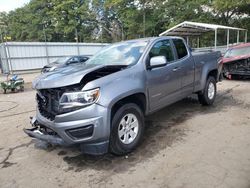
138 98
213 73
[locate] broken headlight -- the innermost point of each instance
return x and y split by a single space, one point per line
79 99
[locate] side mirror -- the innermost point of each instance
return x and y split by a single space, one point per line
158 61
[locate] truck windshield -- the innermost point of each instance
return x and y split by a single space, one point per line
237 52
124 53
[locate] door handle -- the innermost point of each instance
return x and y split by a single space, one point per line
175 69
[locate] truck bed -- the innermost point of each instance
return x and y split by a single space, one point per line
205 61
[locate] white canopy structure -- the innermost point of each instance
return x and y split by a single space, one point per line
186 29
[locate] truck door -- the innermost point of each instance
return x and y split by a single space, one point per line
163 83
187 67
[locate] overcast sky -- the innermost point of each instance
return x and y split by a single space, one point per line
7 5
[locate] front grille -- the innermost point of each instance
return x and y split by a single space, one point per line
48 102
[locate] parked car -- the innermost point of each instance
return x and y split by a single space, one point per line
236 61
101 104
63 62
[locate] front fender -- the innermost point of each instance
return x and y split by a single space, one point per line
119 85
120 89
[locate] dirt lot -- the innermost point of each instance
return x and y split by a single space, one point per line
186 145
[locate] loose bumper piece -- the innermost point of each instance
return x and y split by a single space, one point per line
35 133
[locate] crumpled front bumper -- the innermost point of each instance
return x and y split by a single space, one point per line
35 133
89 127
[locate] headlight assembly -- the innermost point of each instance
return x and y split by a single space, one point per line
79 99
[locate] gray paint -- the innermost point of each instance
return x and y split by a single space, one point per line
64 76
161 87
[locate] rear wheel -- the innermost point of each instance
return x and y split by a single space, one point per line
208 95
21 88
127 129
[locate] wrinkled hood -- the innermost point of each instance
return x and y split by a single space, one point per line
64 76
235 58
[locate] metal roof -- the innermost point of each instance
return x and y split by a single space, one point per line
195 29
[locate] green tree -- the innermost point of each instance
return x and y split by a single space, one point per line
115 20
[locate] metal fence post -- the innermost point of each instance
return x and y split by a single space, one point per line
238 37
8 58
246 36
46 52
78 48
228 38
215 39
1 59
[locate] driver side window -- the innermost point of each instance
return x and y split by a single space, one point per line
162 48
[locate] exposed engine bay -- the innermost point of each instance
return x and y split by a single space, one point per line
48 99
99 73
240 67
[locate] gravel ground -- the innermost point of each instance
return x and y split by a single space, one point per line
185 146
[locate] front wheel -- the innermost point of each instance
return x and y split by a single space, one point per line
21 88
127 129
208 95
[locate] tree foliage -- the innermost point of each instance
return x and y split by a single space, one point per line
115 20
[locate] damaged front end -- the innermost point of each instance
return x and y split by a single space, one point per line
237 68
48 100
43 133
70 114
56 101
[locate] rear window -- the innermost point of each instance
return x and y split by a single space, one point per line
180 48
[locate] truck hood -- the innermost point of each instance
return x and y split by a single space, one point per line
235 58
65 76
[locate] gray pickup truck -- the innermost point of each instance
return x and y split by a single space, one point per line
101 104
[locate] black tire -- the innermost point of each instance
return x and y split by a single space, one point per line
116 146
21 88
203 96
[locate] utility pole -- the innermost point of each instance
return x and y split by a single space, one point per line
44 33
144 20
45 43
122 29
144 6
76 35
1 35
78 50
122 33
